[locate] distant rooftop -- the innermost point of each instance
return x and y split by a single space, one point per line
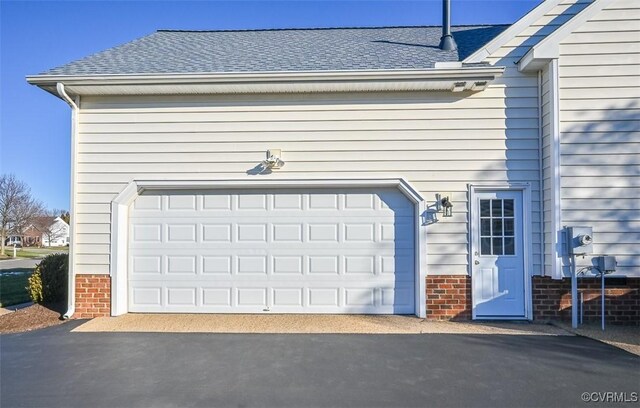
316 49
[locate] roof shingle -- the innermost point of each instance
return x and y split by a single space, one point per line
330 49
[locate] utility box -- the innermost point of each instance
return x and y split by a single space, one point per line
579 240
606 264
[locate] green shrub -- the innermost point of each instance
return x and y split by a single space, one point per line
48 284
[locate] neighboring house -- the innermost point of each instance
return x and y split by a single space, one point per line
43 231
13 240
53 231
523 130
31 236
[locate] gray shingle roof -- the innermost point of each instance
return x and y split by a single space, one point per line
328 49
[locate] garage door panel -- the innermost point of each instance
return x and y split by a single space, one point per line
217 233
317 251
251 232
217 265
359 297
193 230
148 203
285 297
181 202
251 297
396 267
181 265
194 265
216 297
283 214
146 233
181 296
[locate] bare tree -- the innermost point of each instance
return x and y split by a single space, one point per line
17 207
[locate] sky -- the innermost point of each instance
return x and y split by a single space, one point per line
38 35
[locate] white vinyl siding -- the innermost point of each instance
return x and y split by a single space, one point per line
600 139
440 142
508 56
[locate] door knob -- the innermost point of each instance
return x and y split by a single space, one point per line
477 262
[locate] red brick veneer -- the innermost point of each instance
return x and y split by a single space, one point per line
448 297
552 300
93 296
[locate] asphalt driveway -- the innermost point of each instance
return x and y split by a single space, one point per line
56 368
19 263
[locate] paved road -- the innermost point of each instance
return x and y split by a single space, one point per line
19 263
56 368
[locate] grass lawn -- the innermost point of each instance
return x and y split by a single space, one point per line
32 252
13 285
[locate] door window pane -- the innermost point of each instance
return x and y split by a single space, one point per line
509 246
485 209
509 228
508 208
485 246
485 227
496 208
497 227
497 246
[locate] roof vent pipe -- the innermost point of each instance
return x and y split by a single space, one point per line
447 42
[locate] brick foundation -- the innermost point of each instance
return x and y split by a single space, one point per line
552 299
448 297
93 296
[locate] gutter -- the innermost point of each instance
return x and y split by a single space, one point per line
464 78
71 289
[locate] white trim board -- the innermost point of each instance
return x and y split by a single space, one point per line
120 220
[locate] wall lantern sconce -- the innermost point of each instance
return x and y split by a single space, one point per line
273 160
443 203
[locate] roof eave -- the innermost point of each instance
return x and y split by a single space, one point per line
440 79
549 48
511 32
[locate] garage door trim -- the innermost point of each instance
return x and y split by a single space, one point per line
120 220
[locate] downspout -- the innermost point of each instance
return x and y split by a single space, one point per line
71 288
556 202
541 175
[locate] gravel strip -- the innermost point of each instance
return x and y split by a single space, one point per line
354 324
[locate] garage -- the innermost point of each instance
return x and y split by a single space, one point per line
275 250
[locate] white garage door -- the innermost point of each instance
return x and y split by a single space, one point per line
290 251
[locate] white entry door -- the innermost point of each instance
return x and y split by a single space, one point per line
285 251
498 255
